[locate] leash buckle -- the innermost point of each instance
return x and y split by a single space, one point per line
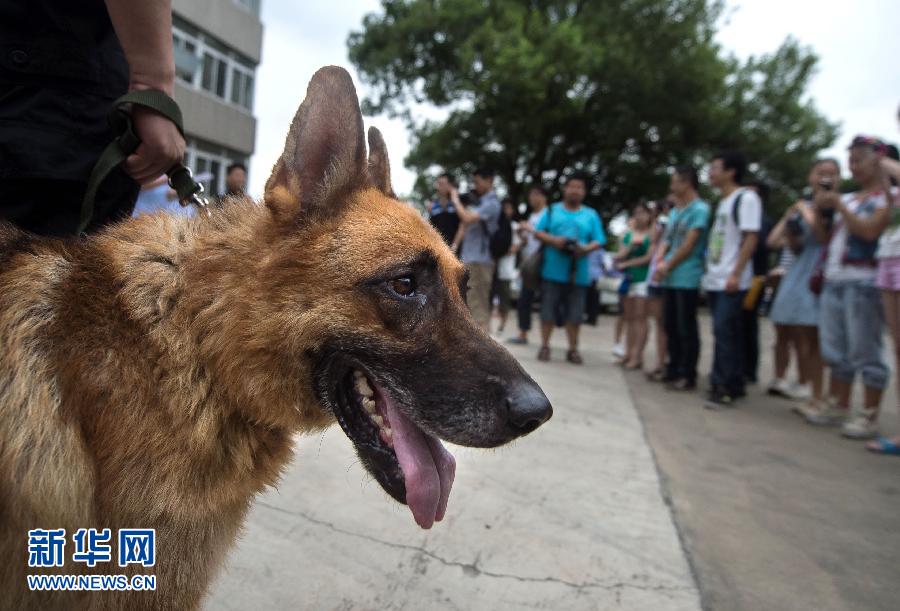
190 192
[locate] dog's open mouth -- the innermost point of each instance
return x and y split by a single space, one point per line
411 465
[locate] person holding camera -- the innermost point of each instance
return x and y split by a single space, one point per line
795 310
478 221
572 231
851 318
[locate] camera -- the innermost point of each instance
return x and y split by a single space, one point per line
570 246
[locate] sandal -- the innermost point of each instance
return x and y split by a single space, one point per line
544 353
884 445
573 357
657 375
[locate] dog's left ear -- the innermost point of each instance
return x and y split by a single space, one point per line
324 156
379 166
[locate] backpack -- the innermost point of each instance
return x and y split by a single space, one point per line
760 259
501 240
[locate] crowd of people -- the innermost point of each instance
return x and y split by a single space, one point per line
834 286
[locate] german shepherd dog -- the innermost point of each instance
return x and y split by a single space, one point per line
155 374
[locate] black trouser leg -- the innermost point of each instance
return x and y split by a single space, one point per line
523 309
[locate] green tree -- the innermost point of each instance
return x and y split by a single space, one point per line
623 89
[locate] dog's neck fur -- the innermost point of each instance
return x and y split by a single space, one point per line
196 279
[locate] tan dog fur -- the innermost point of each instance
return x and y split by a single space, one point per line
154 375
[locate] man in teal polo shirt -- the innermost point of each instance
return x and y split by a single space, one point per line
569 230
679 268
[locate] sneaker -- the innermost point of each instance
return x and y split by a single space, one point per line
681 384
719 399
518 341
813 405
618 351
826 413
779 387
862 424
799 392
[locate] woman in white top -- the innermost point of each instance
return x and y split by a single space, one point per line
506 266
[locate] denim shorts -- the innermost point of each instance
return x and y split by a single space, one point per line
851 323
556 296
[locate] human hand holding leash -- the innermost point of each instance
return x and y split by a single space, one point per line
162 146
145 32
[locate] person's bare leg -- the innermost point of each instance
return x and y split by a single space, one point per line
840 390
628 315
782 350
572 335
620 320
890 300
639 332
546 331
872 397
655 305
809 359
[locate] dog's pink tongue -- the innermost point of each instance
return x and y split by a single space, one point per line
428 468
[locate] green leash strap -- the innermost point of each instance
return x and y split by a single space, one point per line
126 142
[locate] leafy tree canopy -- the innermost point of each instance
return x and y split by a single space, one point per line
623 89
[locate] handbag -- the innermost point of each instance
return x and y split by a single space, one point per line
530 271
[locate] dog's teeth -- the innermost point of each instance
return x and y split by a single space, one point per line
387 437
362 385
378 420
369 405
364 390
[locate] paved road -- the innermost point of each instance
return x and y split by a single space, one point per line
571 517
775 513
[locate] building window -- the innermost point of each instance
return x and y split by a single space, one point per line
208 163
205 63
241 87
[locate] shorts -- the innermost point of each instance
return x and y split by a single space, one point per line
638 289
556 296
851 324
655 291
481 276
888 274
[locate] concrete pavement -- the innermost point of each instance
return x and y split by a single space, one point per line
571 517
776 513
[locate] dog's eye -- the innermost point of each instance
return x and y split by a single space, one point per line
405 286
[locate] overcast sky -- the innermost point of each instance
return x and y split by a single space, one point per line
858 83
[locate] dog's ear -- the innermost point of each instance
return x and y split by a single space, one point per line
379 166
325 153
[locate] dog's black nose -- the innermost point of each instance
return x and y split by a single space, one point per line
528 407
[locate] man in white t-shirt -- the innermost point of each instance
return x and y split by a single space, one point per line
729 272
